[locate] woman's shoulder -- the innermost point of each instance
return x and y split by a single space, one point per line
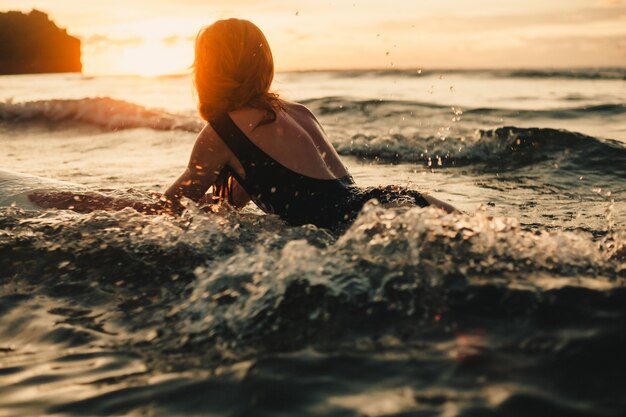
248 117
299 112
297 107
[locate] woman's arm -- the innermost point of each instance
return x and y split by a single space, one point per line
88 202
208 158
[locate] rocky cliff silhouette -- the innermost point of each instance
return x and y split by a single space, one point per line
32 43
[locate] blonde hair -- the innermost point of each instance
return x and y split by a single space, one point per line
233 68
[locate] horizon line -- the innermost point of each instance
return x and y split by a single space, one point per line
391 70
356 70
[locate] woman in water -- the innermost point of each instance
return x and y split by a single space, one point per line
259 147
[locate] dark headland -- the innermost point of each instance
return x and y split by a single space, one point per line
31 43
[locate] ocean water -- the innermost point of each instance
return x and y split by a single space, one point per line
517 307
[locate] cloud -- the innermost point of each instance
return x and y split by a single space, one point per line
175 39
99 40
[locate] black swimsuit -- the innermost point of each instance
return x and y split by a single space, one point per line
297 198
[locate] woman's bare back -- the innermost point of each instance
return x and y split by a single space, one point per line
295 140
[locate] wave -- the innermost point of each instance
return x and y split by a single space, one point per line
392 261
334 105
383 108
251 279
609 109
112 114
403 297
578 74
503 147
103 112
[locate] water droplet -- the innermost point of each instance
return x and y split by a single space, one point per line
152 334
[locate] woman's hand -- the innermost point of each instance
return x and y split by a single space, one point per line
86 203
66 200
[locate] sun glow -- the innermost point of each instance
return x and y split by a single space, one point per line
154 57
152 47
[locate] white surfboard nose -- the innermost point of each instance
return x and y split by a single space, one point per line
16 186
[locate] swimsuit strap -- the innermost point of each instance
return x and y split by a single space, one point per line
244 149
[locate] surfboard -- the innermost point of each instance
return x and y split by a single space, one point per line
16 186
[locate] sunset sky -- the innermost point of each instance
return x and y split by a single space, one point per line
156 36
